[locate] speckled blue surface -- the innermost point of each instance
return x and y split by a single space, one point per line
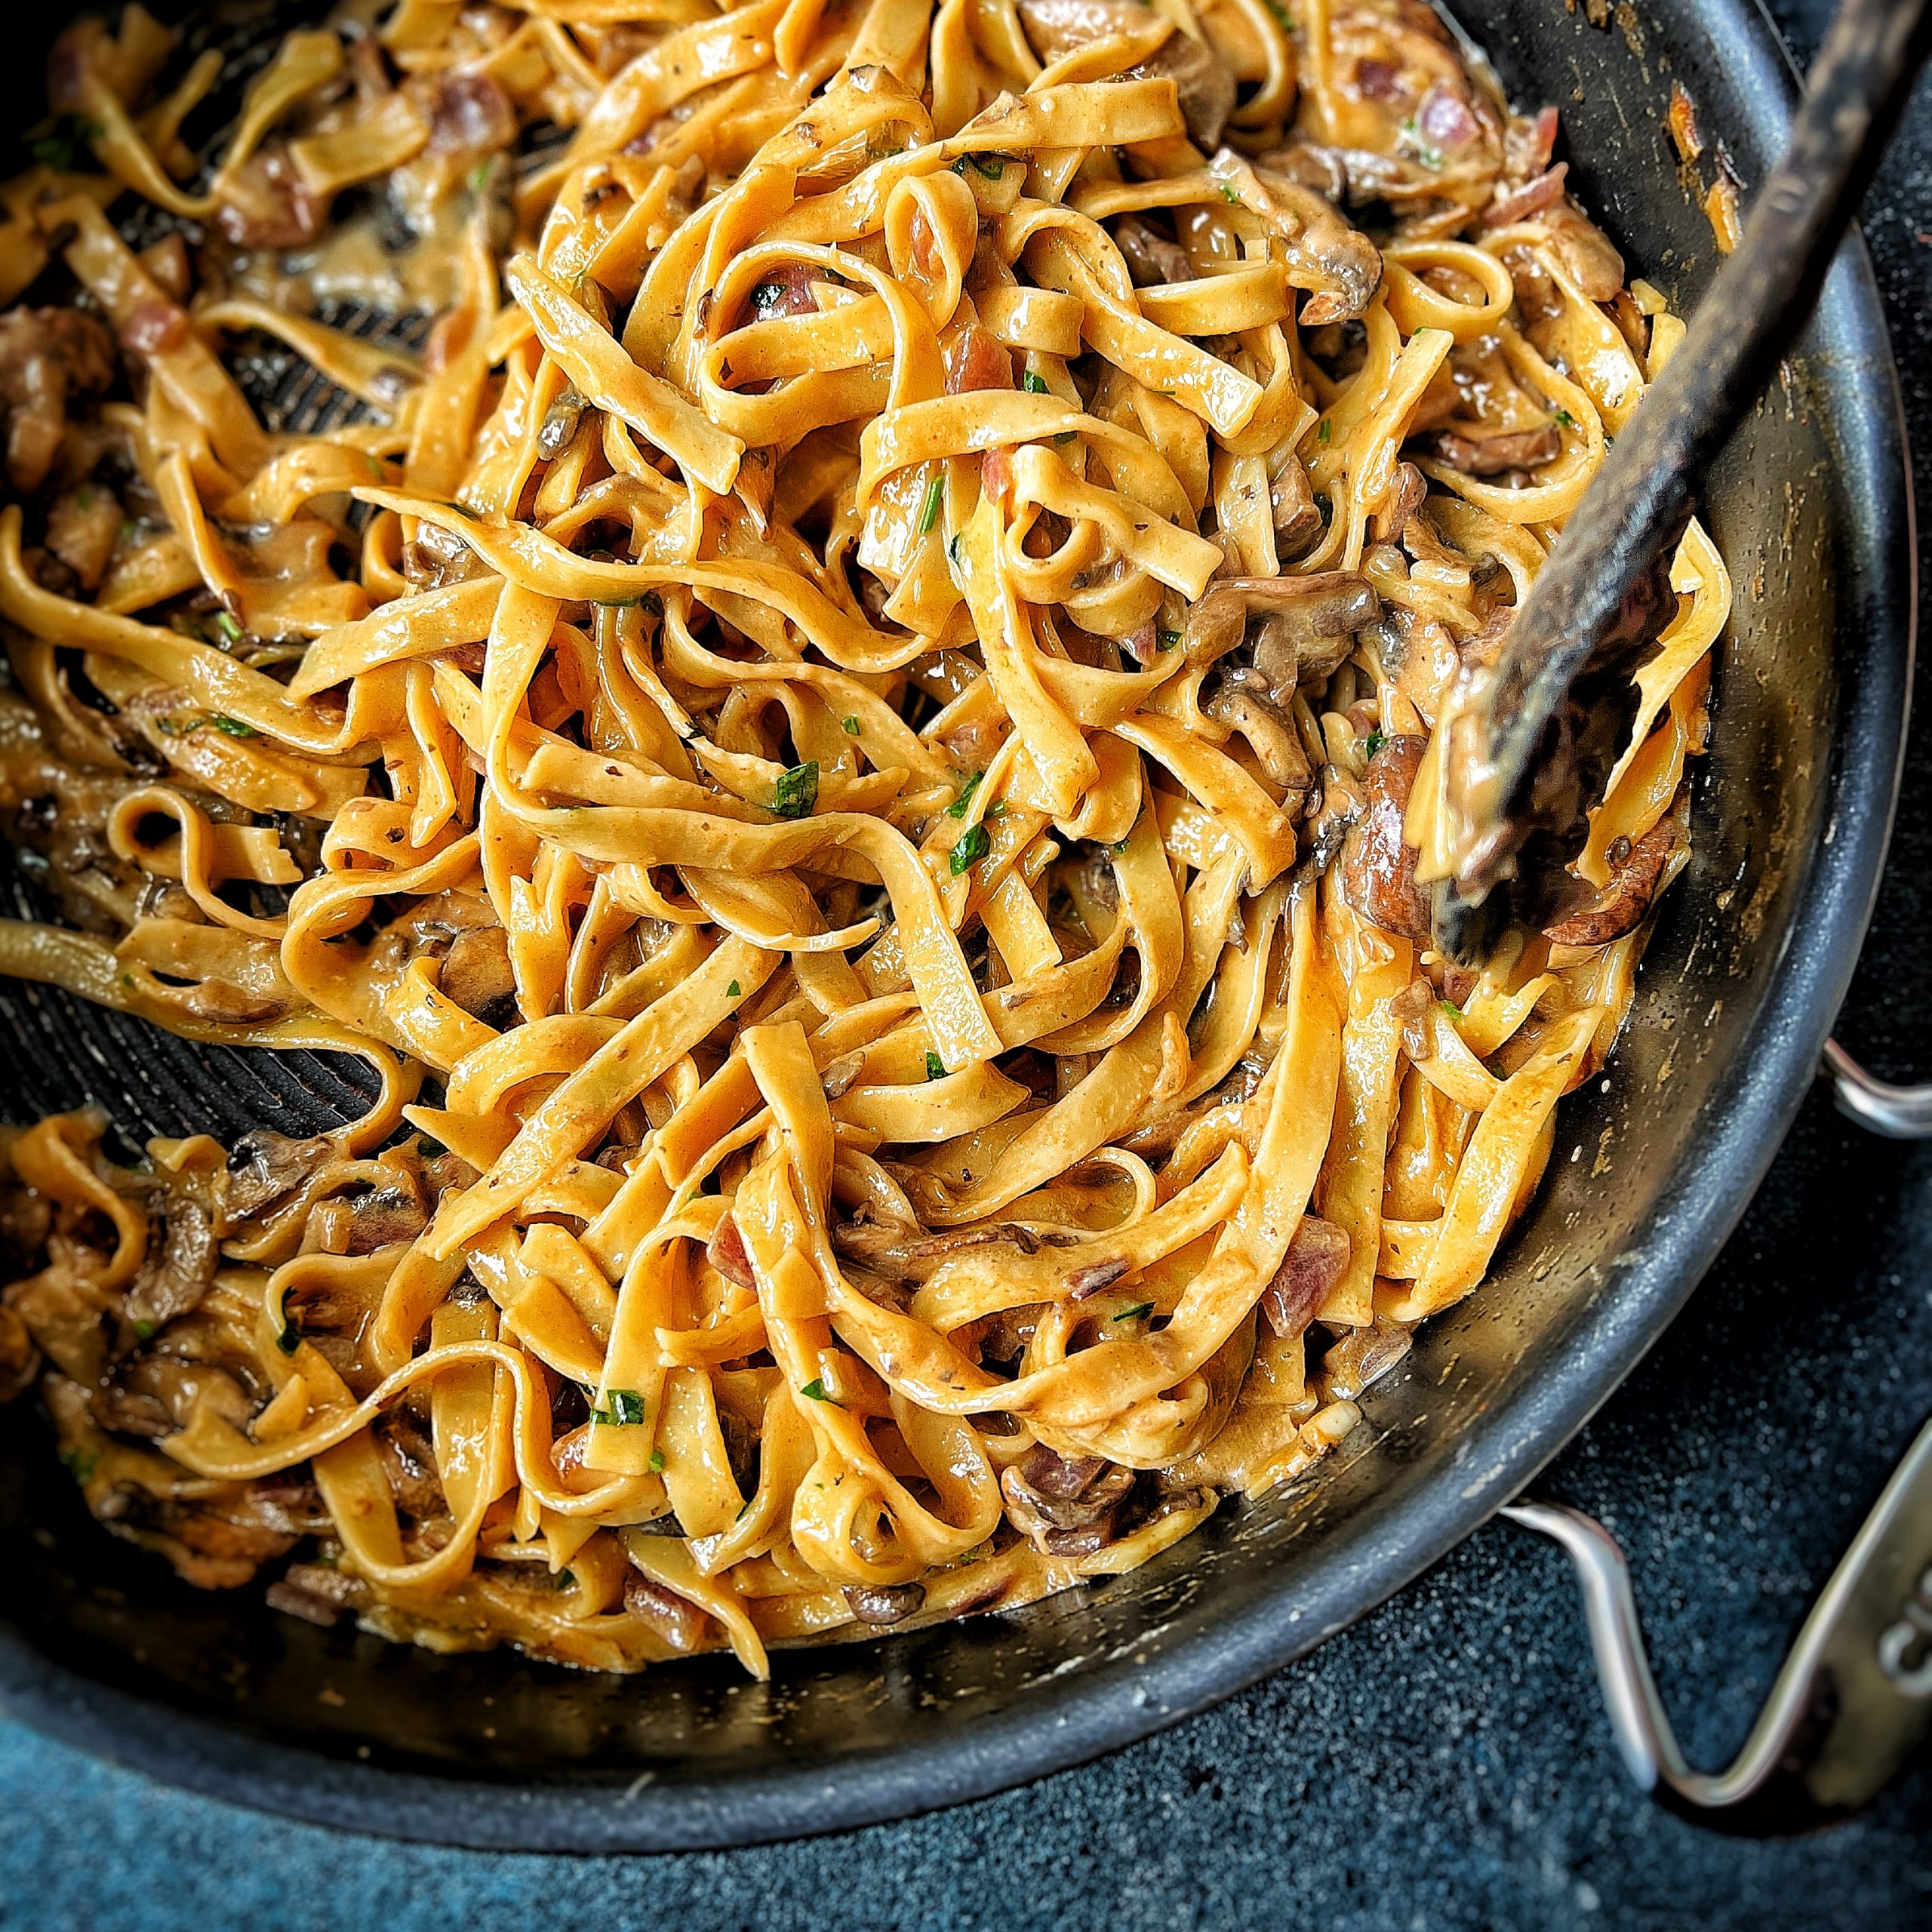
1445 1763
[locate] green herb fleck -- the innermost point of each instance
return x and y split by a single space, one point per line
1324 431
81 1464
1284 19
1034 383
1373 742
957 807
935 1066
626 1410
130 530
991 166
1166 639
797 790
956 549
929 509
619 603
656 1462
566 1579
144 1331
1450 1007
1066 436
972 846
1425 150
289 1339
1228 192
232 631
1568 421
479 176
735 991
1133 1313
232 727
814 1391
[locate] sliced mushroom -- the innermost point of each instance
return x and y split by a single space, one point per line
1478 451
1378 868
178 1268
726 1252
1243 701
1047 1493
1307 623
1339 266
1152 257
409 1461
884 1604
677 1620
265 1167
384 1216
1635 874
317 1593
477 976
46 355
1317 1259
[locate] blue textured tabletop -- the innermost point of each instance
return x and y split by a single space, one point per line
1444 1764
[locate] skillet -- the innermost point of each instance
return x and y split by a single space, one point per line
1810 505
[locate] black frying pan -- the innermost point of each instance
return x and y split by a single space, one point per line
1810 506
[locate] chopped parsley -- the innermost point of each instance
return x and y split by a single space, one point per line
1424 150
144 1331
1568 421
81 1464
957 807
656 1460
1166 640
232 727
231 631
1324 431
1034 383
1284 19
735 991
1133 1313
935 1066
973 846
797 790
1450 1007
1228 192
626 1410
954 550
814 1391
1373 742
1066 436
929 509
991 166
479 176
290 1338
767 298
850 726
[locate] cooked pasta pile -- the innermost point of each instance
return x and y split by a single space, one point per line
851 724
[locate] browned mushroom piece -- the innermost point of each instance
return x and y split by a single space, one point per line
1584 249
47 356
1317 1259
437 557
1297 517
1477 450
409 1461
1245 702
384 1216
178 1268
677 1620
1203 81
1378 866
317 1593
1152 257
726 1252
1338 267
884 1604
1406 491
265 204
1307 624
266 1167
154 1394
290 1501
1051 1496
1337 806
477 976
1635 873
83 526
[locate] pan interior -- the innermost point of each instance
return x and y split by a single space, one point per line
1652 1166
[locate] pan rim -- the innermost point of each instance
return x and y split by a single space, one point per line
1089 1713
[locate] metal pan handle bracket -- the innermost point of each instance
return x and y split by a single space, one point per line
1852 1700
1900 1113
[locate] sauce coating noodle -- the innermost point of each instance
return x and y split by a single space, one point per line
851 723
